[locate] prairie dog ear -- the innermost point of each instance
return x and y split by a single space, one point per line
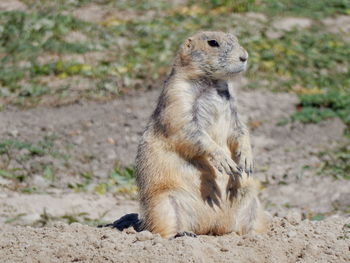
185 52
188 43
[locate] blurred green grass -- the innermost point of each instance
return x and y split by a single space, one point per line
22 159
309 8
139 39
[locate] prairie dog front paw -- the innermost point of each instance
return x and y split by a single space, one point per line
223 163
244 156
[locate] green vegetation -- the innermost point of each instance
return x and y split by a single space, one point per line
346 231
307 61
20 160
309 8
238 6
31 34
44 48
48 219
27 37
317 217
121 181
83 218
336 163
316 107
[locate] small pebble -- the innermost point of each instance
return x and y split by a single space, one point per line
111 155
30 218
240 243
144 235
292 234
13 133
224 249
294 217
129 230
110 140
78 140
40 182
159 240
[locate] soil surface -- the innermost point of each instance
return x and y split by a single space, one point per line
287 241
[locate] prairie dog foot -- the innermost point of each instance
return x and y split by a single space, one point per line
185 234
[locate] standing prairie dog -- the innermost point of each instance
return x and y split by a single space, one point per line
195 158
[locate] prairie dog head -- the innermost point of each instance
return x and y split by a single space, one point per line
216 55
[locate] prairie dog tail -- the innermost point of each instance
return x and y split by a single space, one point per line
126 221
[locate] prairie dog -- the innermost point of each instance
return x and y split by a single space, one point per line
194 159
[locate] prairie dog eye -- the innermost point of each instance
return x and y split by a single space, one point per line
213 43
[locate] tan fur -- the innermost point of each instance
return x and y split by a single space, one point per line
190 155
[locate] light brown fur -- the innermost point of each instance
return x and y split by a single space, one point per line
194 158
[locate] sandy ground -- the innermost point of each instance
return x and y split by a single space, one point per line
287 241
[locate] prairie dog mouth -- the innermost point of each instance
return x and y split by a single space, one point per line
240 68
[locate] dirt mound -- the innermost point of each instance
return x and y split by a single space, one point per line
286 241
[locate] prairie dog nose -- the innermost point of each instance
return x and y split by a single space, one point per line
244 56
